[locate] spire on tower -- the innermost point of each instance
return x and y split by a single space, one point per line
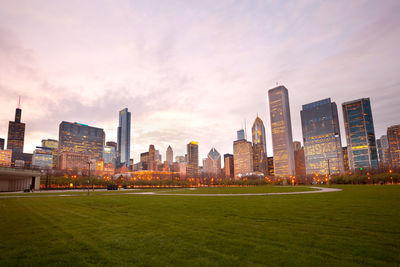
19 102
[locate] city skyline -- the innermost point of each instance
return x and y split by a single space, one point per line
55 88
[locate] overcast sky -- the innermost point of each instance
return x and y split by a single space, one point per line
192 70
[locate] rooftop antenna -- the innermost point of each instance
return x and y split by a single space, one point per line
245 130
19 102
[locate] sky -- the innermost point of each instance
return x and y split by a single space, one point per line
192 70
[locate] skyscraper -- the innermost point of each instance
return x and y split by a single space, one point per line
382 145
170 155
360 134
124 136
242 158
192 169
240 135
393 135
299 159
281 128
82 139
259 147
228 166
321 138
16 133
214 162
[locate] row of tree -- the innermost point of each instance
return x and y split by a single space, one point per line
53 182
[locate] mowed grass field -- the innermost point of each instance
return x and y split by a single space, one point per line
357 226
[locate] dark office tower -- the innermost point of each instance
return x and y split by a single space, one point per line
1 144
360 134
281 128
228 166
16 133
192 169
393 135
82 139
170 155
321 138
259 147
299 159
124 136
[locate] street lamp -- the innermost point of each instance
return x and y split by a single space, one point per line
88 179
329 173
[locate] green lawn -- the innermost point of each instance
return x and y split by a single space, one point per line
357 226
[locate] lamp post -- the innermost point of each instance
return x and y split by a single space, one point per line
329 173
88 179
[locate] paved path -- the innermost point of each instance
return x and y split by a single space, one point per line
165 193
319 190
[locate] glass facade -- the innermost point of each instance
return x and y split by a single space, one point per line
240 135
81 138
124 137
214 162
321 138
259 147
110 155
360 134
281 127
242 158
42 158
192 168
382 145
5 158
393 135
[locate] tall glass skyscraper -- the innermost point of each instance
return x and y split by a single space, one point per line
360 134
321 138
281 128
124 137
259 147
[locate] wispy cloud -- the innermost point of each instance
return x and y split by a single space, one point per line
191 70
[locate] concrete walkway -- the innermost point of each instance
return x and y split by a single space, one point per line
165 193
319 190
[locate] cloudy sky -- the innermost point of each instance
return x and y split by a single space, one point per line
192 70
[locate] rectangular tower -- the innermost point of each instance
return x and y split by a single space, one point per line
393 136
16 133
281 128
82 139
192 169
242 158
124 136
321 138
360 134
